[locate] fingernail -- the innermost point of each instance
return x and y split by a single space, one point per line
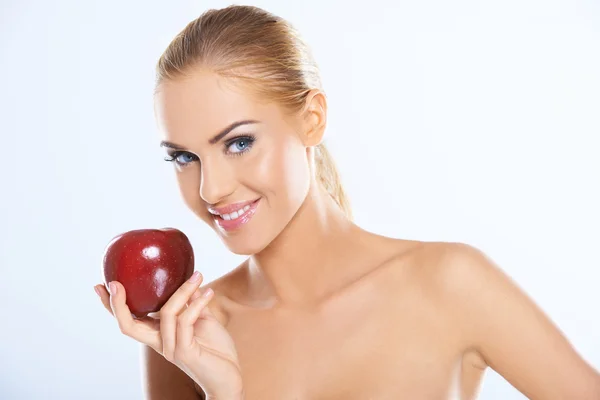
195 277
113 288
97 291
208 292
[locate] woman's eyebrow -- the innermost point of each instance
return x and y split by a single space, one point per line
171 145
229 128
215 138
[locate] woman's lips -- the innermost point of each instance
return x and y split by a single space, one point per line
230 207
236 223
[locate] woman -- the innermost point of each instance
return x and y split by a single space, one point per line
321 309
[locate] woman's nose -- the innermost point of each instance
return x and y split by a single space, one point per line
216 183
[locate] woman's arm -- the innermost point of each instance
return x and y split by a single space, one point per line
163 380
512 334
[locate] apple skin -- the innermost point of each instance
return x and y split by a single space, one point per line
151 264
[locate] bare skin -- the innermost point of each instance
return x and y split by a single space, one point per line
376 335
413 325
401 330
323 309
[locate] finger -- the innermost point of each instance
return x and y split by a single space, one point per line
104 297
195 295
169 312
187 319
142 331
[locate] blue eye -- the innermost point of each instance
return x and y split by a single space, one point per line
236 146
181 157
240 145
184 158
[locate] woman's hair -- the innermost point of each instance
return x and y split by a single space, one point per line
266 54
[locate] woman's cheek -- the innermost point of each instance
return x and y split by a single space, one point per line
189 187
285 173
263 170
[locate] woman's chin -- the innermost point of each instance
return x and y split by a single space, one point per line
242 247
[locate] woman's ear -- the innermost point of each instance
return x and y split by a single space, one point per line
314 116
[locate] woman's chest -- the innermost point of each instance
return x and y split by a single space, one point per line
355 350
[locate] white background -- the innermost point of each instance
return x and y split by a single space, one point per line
459 121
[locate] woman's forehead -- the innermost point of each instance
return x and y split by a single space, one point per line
204 93
203 103
202 98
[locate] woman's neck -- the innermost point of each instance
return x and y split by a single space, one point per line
305 262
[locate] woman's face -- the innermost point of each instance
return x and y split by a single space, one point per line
241 165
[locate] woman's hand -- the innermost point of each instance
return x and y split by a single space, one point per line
186 333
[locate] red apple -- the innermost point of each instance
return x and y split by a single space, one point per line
151 264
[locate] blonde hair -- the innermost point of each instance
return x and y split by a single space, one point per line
261 50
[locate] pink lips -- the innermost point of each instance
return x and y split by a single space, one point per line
233 224
230 207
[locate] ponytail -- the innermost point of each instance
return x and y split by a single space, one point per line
329 177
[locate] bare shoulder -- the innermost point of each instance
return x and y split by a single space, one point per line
457 276
429 262
442 278
448 267
409 268
499 322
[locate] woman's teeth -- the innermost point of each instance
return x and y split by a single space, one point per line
235 214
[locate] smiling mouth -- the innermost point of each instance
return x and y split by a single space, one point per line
236 219
236 214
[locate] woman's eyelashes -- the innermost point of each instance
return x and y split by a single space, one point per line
240 144
235 146
180 156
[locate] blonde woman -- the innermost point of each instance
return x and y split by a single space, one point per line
321 308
